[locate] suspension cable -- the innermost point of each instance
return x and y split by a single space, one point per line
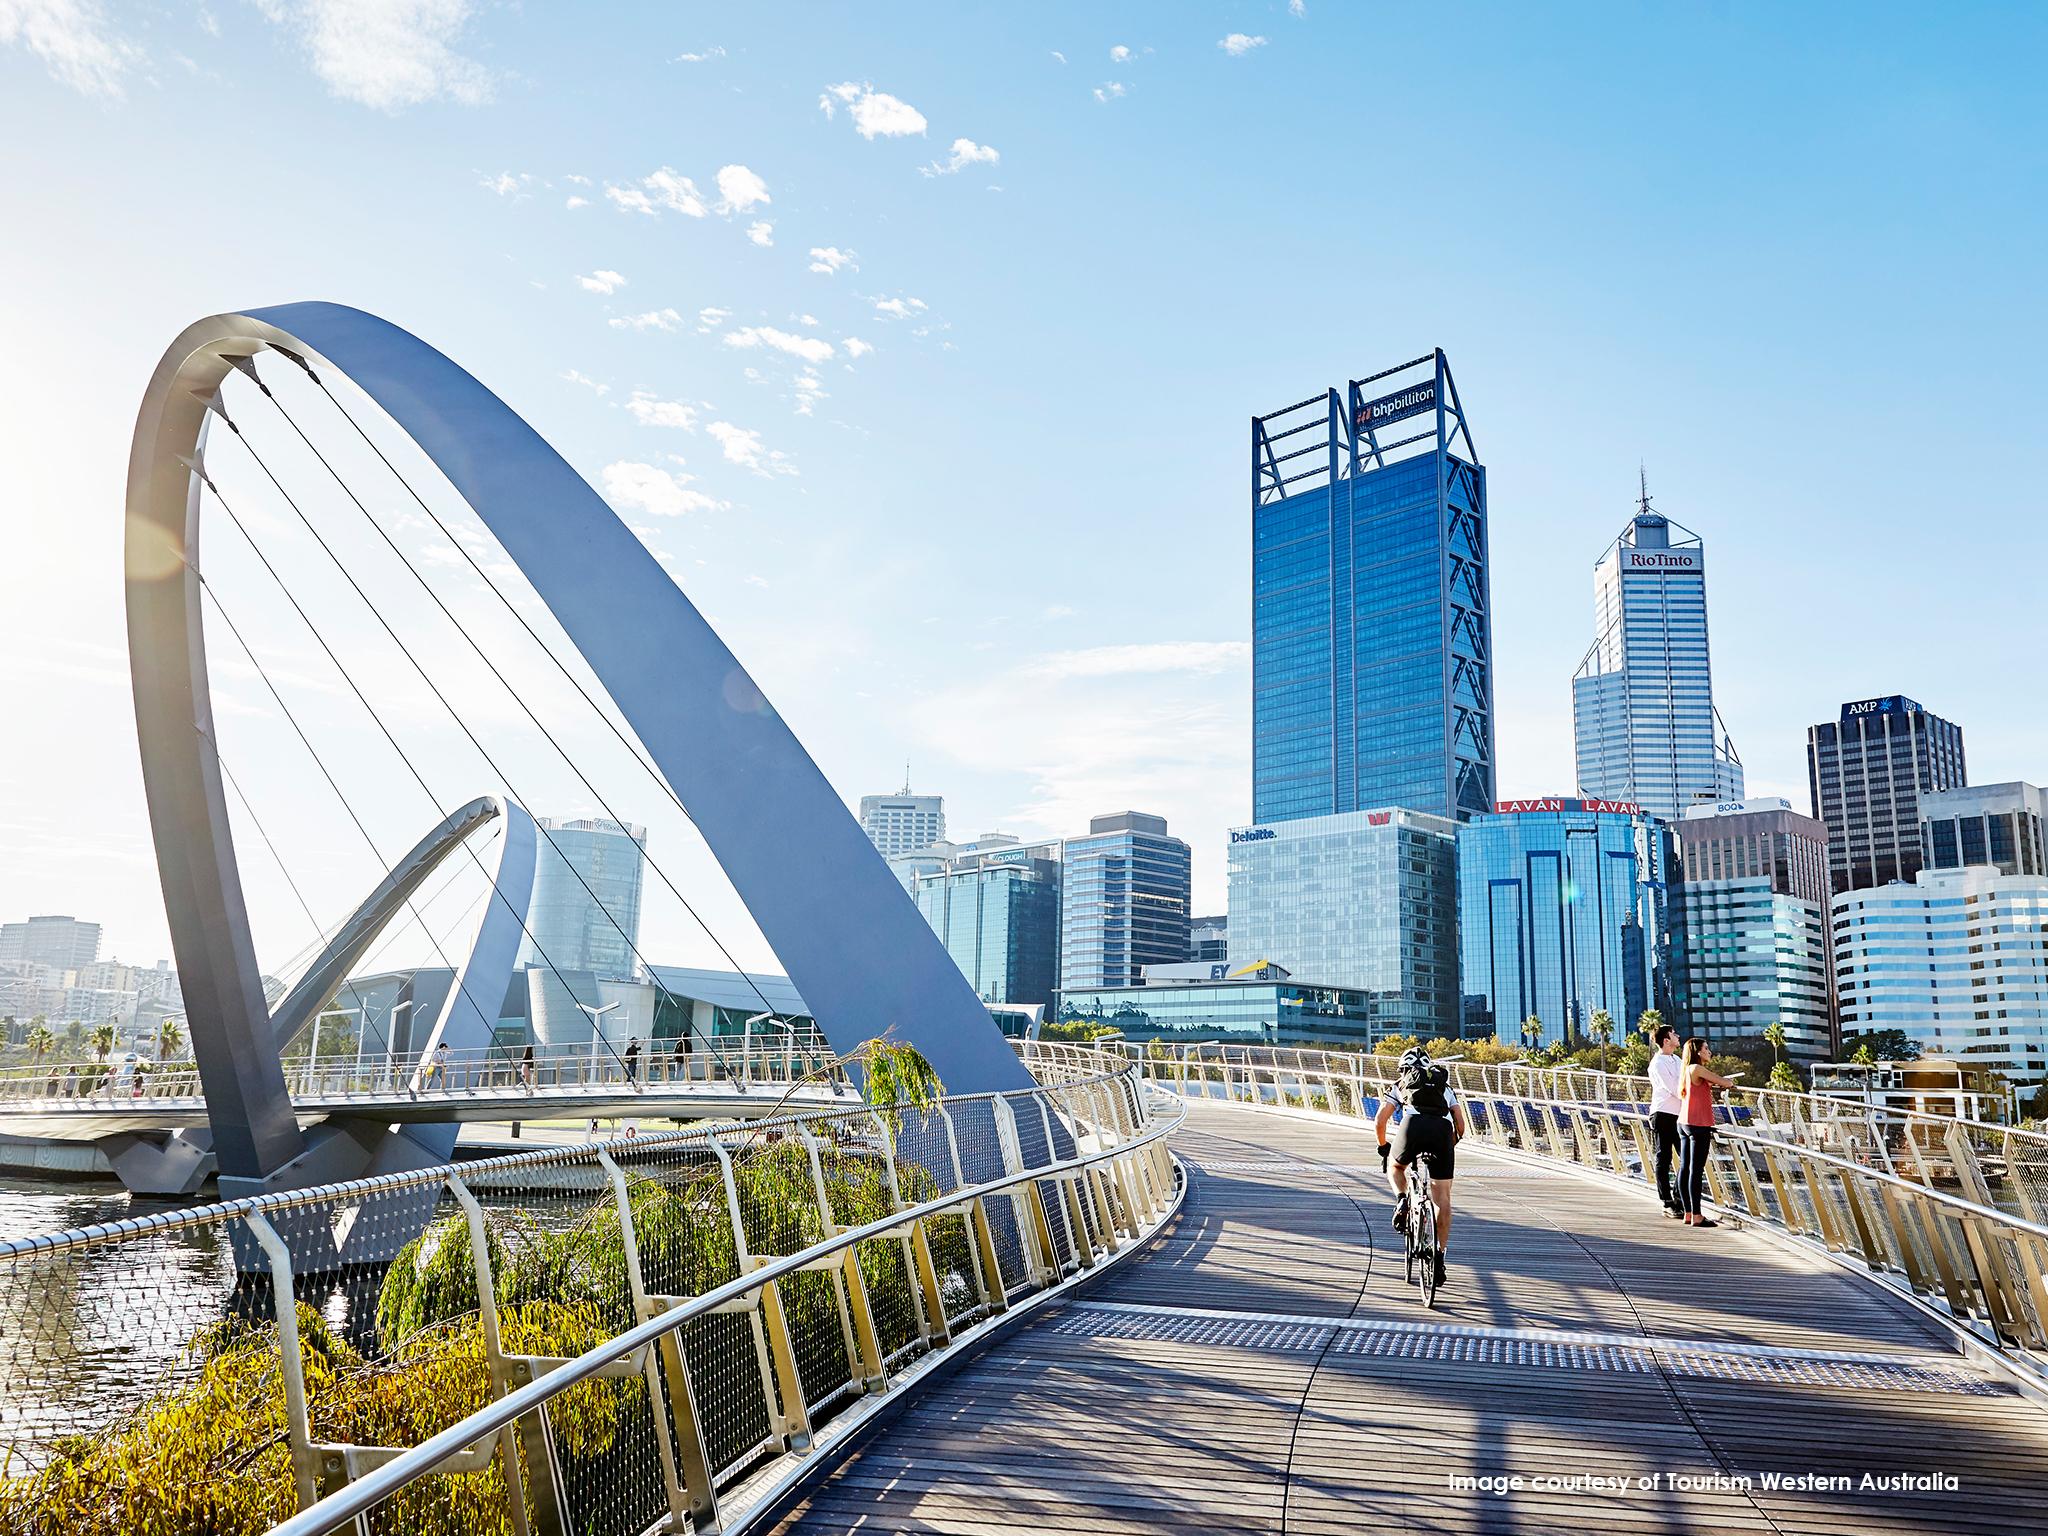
434 688
318 761
457 543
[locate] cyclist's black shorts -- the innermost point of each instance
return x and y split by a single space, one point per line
1426 1136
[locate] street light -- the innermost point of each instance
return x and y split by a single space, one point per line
390 1021
596 1015
789 1040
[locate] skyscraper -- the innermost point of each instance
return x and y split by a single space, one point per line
1124 900
585 914
903 823
1751 924
1643 717
61 943
1562 911
998 914
2003 826
1867 772
1366 901
1371 636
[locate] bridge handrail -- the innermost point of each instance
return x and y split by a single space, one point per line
366 1492
1956 1251
1076 1164
100 1083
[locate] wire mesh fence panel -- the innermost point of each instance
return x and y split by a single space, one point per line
1035 1148
981 1160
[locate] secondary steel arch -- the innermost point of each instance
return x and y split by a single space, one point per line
836 918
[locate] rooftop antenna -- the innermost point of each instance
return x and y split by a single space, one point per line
906 776
1643 503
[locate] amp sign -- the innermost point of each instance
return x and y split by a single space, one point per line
1397 407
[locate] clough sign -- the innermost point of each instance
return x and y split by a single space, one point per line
1397 406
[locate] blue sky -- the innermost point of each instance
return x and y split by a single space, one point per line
975 495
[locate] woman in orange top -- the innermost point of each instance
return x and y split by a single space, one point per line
1696 1084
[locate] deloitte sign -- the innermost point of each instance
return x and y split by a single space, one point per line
1252 834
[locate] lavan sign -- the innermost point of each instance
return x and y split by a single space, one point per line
1397 407
1556 803
1253 835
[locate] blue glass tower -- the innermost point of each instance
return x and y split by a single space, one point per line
1371 636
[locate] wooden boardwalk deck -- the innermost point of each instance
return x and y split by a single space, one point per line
1263 1368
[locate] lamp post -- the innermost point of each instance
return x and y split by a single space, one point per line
596 1028
788 1040
390 1044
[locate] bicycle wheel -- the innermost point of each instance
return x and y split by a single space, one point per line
1424 1246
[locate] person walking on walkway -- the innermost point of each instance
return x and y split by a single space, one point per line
526 1067
633 1060
1698 1081
1666 1108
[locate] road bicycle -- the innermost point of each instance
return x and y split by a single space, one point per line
1422 1251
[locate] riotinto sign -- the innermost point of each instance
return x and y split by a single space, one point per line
1397 406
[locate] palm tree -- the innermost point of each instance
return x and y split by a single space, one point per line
40 1041
1532 1031
103 1037
170 1039
1648 1022
1774 1033
1601 1028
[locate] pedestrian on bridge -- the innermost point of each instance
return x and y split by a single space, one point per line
1699 1082
1666 1107
526 1067
633 1060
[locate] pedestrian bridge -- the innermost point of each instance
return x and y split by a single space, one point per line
88 1101
1163 1295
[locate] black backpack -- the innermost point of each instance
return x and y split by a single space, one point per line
1424 1089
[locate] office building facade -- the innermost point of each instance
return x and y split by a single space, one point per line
1866 773
999 917
1563 911
1124 901
1252 1010
1365 901
61 943
1750 929
1999 826
1643 720
903 823
1958 959
1208 939
585 914
1371 628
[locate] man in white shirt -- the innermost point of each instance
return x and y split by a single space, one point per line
1665 1108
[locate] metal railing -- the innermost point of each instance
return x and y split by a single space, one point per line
759 1060
606 1338
1914 1199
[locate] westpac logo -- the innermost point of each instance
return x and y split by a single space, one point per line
1253 835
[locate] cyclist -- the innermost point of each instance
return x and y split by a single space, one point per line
1432 1124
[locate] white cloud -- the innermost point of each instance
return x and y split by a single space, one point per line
73 39
812 349
829 259
806 319
810 389
713 52
1153 657
652 412
581 181
601 281
505 183
875 114
740 190
587 382
855 347
1238 44
650 488
388 54
653 320
1109 90
710 316
899 309
1181 748
663 189
577 202
1060 56
761 232
745 449
1297 8
1119 54
965 153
